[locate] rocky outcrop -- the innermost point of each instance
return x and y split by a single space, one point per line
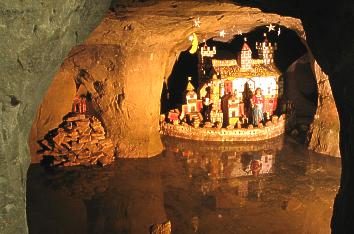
301 88
79 140
303 78
323 136
35 38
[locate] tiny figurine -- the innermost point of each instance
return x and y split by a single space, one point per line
207 105
79 105
255 167
257 105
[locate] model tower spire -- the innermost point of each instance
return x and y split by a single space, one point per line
266 50
190 87
245 59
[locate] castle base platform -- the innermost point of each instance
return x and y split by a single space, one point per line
223 134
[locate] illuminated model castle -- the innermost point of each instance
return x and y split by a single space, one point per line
229 92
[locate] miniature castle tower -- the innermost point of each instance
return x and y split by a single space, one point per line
216 115
245 58
206 51
205 62
215 92
233 109
266 50
192 102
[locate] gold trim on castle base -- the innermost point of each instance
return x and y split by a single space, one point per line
223 134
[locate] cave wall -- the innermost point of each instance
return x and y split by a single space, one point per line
140 45
300 86
336 60
35 38
323 136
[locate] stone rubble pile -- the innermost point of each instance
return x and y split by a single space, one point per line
79 140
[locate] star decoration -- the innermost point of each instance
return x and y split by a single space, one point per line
270 27
222 33
197 22
278 31
190 38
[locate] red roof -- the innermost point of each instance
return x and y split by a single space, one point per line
245 46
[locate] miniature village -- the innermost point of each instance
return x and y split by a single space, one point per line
237 99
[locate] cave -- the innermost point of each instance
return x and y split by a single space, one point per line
113 61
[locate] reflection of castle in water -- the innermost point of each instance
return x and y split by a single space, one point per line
227 172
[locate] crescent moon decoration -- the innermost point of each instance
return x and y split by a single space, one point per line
194 44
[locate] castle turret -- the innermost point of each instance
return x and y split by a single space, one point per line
206 51
205 62
266 50
245 58
192 104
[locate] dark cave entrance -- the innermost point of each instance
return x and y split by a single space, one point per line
291 58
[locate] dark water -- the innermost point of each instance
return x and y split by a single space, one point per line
272 187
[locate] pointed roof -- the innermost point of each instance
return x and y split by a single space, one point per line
265 38
190 87
245 46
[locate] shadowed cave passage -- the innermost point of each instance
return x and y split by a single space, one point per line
291 58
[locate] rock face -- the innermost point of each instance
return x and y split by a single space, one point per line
301 88
35 38
79 140
303 78
323 136
54 102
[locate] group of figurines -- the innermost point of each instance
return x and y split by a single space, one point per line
249 107
218 108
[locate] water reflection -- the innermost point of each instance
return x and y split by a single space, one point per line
273 187
215 167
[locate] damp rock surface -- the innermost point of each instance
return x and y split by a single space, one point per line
323 135
35 37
